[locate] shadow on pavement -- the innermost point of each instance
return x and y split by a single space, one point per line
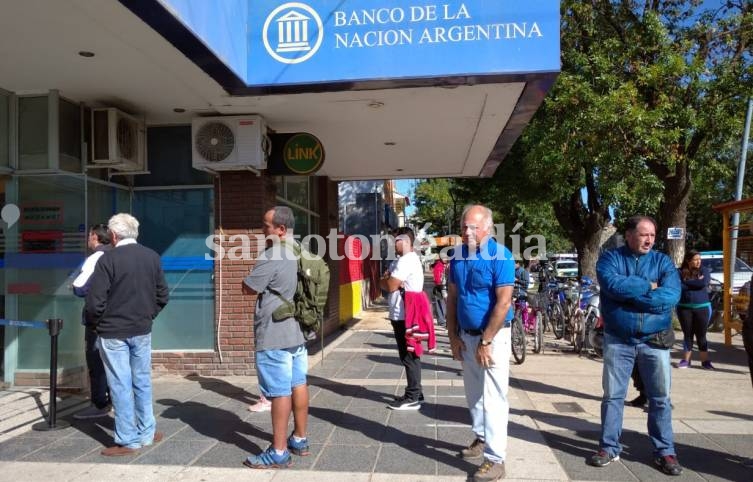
638 459
222 387
534 386
742 416
214 423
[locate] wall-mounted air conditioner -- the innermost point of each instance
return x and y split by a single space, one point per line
229 143
118 140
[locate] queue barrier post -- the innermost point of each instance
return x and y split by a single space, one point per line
54 325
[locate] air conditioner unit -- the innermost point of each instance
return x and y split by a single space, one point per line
118 140
229 143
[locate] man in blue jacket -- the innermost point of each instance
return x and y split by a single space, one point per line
639 289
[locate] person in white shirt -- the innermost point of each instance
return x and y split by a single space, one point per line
405 274
98 242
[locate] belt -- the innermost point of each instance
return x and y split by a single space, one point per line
473 332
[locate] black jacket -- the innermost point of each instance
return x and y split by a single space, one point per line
127 291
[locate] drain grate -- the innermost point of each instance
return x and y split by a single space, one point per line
567 407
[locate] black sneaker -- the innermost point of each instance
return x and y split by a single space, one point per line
602 459
403 397
668 464
404 403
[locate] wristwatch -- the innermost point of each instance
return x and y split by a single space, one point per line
483 342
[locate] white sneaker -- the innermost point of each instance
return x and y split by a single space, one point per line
263 405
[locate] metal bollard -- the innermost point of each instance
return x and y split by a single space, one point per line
54 325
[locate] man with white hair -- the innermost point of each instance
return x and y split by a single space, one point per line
128 290
482 275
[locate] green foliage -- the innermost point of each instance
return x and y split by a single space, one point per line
646 117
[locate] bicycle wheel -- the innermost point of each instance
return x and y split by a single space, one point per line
518 338
558 321
593 339
578 333
538 334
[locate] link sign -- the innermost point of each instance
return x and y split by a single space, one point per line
299 153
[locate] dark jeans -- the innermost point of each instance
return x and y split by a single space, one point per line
694 323
100 394
410 361
637 382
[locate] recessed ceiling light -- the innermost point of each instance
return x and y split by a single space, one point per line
399 170
179 110
390 143
86 53
375 104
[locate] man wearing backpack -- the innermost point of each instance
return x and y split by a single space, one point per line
281 355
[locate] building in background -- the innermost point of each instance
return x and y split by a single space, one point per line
197 117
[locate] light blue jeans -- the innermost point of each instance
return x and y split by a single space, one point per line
654 368
486 393
128 364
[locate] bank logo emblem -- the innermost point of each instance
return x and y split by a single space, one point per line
289 31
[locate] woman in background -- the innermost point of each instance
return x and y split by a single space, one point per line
694 308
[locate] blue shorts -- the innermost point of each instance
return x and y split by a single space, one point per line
279 371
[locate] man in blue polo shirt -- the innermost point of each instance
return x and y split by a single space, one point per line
482 276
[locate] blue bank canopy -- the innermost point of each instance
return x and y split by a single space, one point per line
392 88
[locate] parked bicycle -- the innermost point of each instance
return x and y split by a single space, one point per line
517 331
578 296
593 336
527 322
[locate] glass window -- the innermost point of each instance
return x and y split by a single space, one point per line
297 190
176 223
40 261
104 200
314 194
32 133
70 136
301 194
4 130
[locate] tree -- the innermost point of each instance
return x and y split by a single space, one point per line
437 203
649 92
680 78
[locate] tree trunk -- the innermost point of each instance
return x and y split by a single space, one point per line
584 223
673 212
583 228
590 254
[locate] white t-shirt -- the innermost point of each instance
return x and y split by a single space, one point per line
408 269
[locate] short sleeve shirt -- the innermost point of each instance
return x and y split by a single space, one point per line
276 269
476 277
408 269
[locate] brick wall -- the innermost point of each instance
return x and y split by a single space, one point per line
241 199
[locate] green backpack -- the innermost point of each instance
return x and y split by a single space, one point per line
310 296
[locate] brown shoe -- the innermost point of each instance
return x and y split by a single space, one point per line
158 436
118 451
489 471
474 450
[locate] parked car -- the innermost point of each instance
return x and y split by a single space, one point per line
566 268
714 261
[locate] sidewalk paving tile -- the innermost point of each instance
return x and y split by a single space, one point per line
355 438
